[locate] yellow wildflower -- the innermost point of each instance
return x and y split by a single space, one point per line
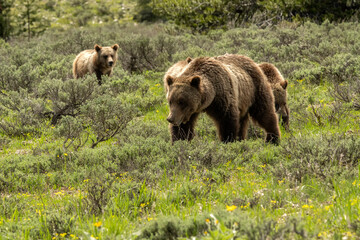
207 220
353 201
327 208
307 206
230 208
63 234
98 224
38 212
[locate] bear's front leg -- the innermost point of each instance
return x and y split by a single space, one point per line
285 119
244 125
185 131
228 128
270 123
98 75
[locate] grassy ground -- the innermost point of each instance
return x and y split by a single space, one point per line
137 185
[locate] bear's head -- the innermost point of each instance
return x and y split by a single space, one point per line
175 70
280 95
184 97
107 56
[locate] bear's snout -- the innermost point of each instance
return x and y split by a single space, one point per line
173 120
111 63
170 119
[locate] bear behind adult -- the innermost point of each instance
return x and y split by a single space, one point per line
278 85
100 60
228 88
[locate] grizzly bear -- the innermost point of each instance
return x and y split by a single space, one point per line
100 60
278 85
175 69
229 88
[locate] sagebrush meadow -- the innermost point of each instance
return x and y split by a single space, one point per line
81 160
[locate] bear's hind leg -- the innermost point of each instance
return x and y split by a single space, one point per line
185 131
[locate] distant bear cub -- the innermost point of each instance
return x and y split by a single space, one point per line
278 85
229 88
100 60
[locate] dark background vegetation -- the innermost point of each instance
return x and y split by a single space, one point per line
34 16
81 153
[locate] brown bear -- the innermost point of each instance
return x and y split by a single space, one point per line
100 60
176 69
229 88
278 85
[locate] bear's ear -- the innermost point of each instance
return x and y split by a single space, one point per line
97 48
188 59
284 84
169 80
115 47
195 82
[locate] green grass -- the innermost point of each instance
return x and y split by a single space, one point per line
137 185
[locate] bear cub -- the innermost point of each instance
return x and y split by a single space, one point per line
229 88
278 85
100 60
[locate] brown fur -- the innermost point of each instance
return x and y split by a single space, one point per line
229 88
100 60
176 69
278 85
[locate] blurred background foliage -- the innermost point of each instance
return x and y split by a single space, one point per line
31 17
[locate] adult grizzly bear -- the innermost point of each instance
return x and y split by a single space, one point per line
278 85
100 60
229 88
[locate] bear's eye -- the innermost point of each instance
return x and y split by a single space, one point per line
181 102
105 56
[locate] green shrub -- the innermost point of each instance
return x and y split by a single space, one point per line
107 116
325 157
22 113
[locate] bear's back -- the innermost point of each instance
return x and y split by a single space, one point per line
272 73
